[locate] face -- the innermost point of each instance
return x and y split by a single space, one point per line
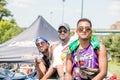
84 30
42 46
63 33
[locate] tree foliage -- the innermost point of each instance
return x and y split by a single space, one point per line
112 43
8 30
107 42
4 12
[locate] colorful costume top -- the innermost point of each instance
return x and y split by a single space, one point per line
85 63
74 45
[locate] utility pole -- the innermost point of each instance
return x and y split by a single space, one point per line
63 12
82 8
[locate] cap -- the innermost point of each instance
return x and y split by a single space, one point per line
65 25
41 38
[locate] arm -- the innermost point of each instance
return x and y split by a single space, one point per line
49 73
103 64
40 68
51 70
68 75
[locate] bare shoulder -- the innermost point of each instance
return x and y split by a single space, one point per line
102 49
102 46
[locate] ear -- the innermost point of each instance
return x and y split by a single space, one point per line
77 31
91 31
74 32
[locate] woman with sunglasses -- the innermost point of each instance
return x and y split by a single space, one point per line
87 63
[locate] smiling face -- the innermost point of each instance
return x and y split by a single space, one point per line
84 30
42 46
63 34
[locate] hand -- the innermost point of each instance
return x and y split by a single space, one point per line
37 61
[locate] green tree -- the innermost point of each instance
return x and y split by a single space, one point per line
112 44
8 30
4 12
107 41
115 46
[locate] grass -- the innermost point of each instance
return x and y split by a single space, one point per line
114 67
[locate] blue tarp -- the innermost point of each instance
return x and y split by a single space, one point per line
6 74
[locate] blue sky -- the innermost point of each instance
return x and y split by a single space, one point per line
102 13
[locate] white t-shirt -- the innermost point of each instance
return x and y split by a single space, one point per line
57 55
58 51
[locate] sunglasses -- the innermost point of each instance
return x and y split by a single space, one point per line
87 28
60 31
40 43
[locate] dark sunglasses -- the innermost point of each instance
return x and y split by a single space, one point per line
87 28
40 43
60 31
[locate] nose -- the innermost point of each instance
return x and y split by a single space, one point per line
40 44
62 32
84 29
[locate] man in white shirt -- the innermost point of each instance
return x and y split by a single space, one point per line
58 64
